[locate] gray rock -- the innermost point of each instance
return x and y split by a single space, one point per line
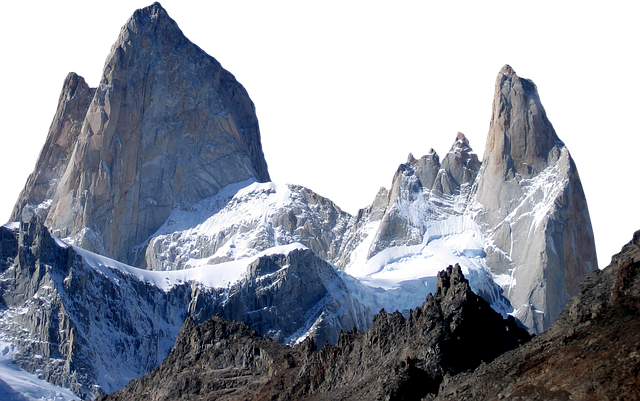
167 127
92 326
589 353
87 330
288 297
532 207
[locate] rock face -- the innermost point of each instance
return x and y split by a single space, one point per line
167 127
531 206
288 297
155 168
589 353
87 330
91 324
161 167
396 358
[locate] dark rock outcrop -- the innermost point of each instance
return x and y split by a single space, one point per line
590 353
397 358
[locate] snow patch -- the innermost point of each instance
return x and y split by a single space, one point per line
19 385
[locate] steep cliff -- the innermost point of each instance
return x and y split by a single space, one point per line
81 325
531 206
167 127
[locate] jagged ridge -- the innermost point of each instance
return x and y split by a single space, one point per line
396 358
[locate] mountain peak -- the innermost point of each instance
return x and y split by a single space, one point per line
167 127
149 19
507 70
520 135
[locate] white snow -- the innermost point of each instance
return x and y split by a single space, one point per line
14 225
400 277
214 276
19 385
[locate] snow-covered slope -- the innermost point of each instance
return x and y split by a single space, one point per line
91 324
19 385
394 250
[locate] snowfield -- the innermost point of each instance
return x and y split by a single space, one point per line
220 275
19 385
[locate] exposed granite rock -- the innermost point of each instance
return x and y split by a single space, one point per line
590 353
167 127
395 359
531 206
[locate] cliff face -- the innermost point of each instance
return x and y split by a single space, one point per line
167 127
531 206
397 358
87 328
91 324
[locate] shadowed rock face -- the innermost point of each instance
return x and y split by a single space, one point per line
167 127
86 324
74 326
396 358
590 353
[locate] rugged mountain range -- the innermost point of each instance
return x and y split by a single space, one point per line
444 350
151 202
397 358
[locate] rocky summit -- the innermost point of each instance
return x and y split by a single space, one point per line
531 206
151 203
166 127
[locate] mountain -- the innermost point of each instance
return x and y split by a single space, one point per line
166 127
531 206
91 324
397 358
287 76
151 202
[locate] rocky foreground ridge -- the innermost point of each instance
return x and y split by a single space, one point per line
397 358
592 352
444 350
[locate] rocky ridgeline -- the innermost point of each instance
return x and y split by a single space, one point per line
452 348
92 327
590 353
397 358
87 330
